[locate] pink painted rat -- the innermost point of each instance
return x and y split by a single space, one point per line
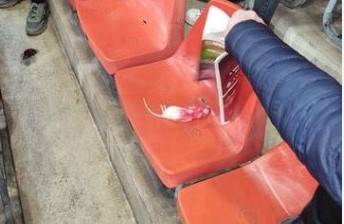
181 114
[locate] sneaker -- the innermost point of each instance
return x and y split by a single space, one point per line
37 19
192 16
8 3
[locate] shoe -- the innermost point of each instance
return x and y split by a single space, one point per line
8 3
37 19
192 16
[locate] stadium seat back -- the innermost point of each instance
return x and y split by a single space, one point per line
125 33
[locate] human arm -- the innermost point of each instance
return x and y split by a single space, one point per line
302 101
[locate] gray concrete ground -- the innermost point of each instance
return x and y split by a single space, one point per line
301 28
147 198
10 206
63 171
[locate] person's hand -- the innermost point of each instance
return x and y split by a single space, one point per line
241 16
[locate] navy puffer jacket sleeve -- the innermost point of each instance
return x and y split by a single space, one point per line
302 101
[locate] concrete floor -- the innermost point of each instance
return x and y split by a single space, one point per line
62 166
303 31
10 211
63 171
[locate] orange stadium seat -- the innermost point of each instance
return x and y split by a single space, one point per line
124 33
271 189
181 152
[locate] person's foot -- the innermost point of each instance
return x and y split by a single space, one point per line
192 15
37 19
8 3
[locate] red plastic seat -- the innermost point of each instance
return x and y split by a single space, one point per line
124 33
180 152
267 191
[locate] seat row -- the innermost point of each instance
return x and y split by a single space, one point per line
141 43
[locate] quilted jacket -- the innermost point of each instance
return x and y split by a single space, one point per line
302 101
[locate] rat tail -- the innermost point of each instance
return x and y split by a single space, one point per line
150 110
